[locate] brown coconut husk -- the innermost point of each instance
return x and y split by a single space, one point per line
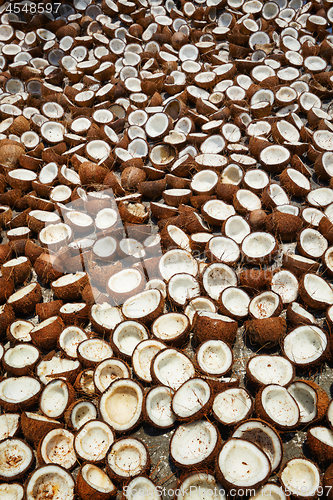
284 226
206 328
266 332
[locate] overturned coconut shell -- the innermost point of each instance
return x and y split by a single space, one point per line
209 326
266 332
283 226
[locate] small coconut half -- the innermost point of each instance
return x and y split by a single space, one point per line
266 369
275 405
93 482
232 406
142 358
195 443
93 441
50 478
157 409
251 472
265 305
171 368
305 346
301 477
192 400
128 457
16 458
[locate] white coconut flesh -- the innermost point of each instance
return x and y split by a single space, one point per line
301 477
93 441
271 369
142 304
224 249
242 463
304 345
142 358
179 237
270 491
105 247
132 247
248 200
264 305
57 447
306 399
172 368
236 301
21 356
18 231
158 406
9 424
278 195
121 404
232 174
218 210
54 398
236 228
313 243
109 370
177 261
280 406
199 304
274 155
285 284
318 289
97 479
288 209
21 293
323 435
298 309
298 178
18 389
44 216
232 405
95 350
70 338
106 315
79 219
127 335
55 234
141 487
216 278
204 181
21 330
199 486
170 326
263 436
60 193
157 284
106 218
128 457
258 244
46 370
71 308
68 279
50 478
15 457
183 287
125 281
81 413
320 197
191 397
194 442
11 491
214 357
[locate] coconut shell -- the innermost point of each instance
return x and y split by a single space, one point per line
321 452
6 253
152 189
91 295
46 338
309 301
70 291
284 226
7 287
87 492
34 430
91 173
323 399
296 319
262 415
134 213
45 310
47 268
77 318
18 221
206 328
298 267
33 251
255 280
266 332
326 229
24 405
131 177
19 273
161 212
78 384
7 317
226 192
27 303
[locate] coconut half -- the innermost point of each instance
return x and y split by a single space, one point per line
232 406
198 485
50 478
266 369
214 357
57 447
275 404
301 477
142 358
121 405
16 458
192 399
264 436
305 346
171 368
128 457
265 305
127 336
251 471
93 441
158 408
194 444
